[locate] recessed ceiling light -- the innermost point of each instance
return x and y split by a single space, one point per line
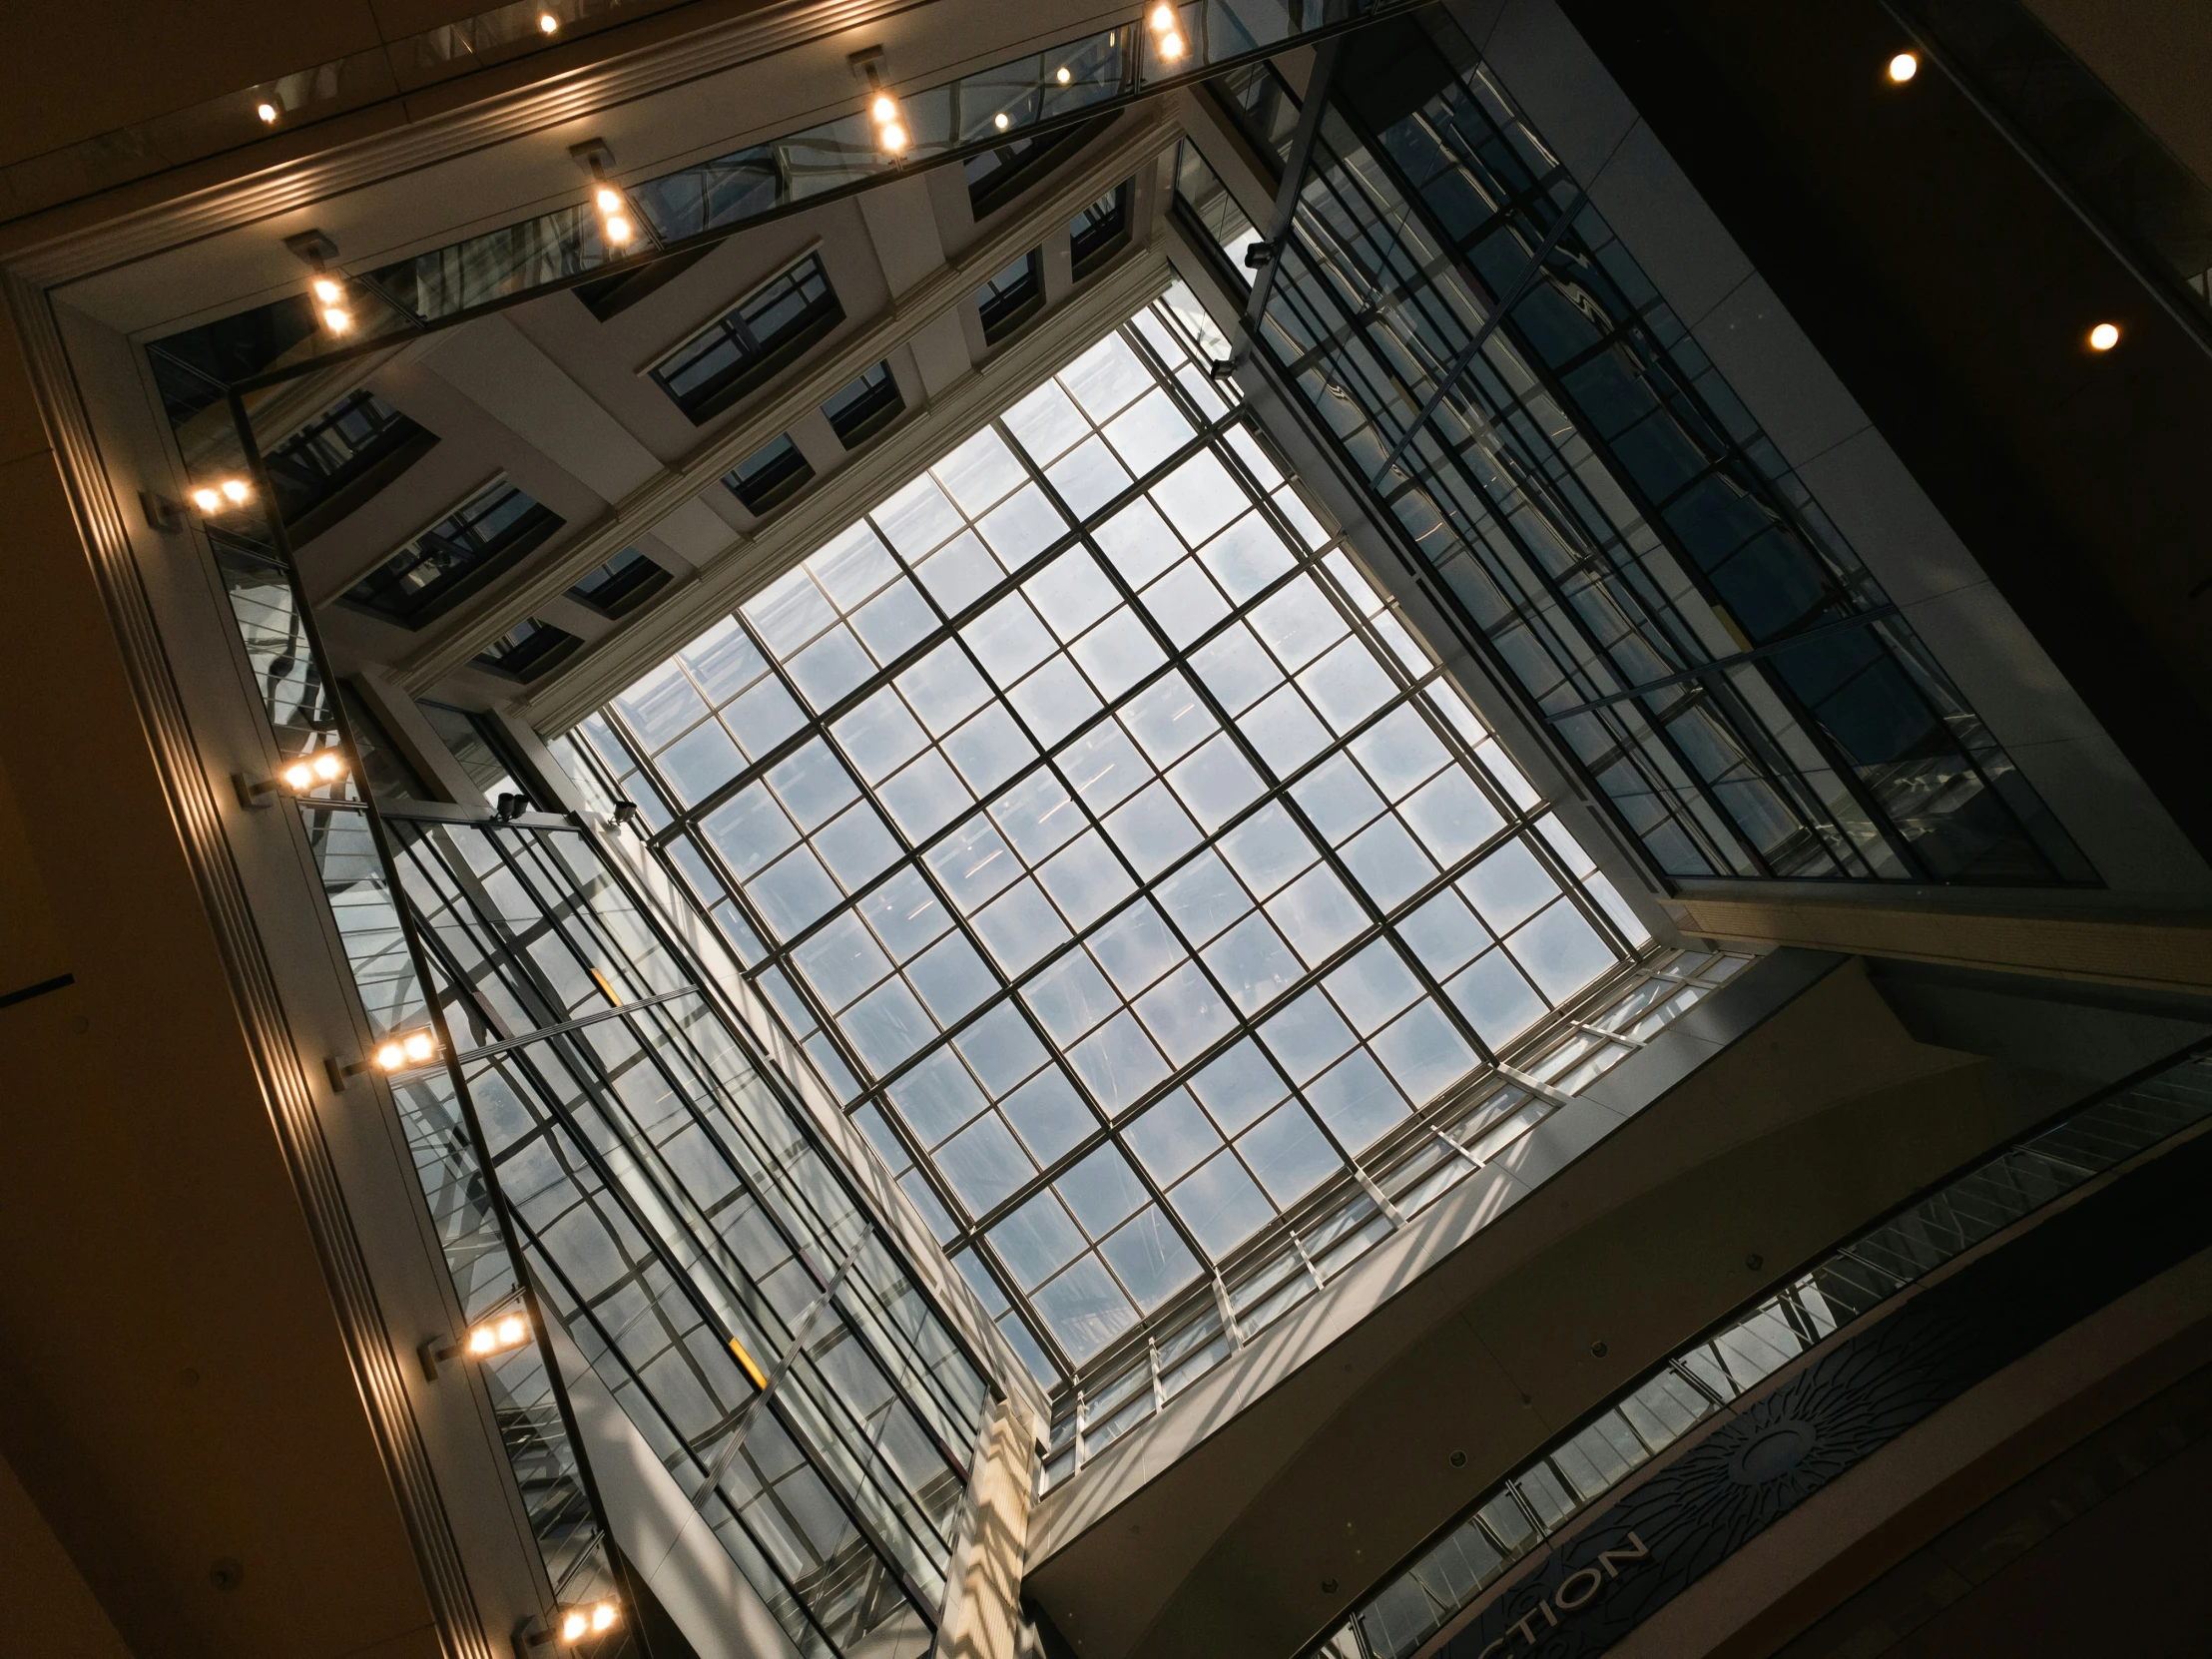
2104 336
1904 67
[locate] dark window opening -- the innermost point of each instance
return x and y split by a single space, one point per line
528 649
455 556
340 459
864 407
1100 230
997 175
1011 297
607 296
1261 103
759 335
385 770
620 584
769 476
485 755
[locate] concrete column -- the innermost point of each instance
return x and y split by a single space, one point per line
982 1604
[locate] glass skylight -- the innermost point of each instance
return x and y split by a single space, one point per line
1115 853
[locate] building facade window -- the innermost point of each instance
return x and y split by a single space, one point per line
528 649
437 569
865 406
1642 562
1011 297
769 476
620 584
747 345
340 458
1111 847
1100 230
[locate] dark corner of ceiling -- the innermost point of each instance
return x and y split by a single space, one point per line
1950 286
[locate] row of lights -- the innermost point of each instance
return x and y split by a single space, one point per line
1167 33
595 1620
1901 68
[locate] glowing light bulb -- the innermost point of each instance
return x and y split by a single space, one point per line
392 1056
235 489
1904 67
512 1331
206 500
328 767
894 138
574 1626
548 23
1062 76
884 110
1163 17
609 200
618 229
2104 336
267 113
603 1616
300 775
419 1046
336 319
1171 45
1000 122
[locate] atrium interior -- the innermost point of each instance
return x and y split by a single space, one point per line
1274 829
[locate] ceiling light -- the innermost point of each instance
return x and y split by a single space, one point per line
1904 67
894 138
338 320
235 490
1000 122
267 113
327 291
499 1336
1062 74
548 22
326 766
884 110
330 766
1163 16
2104 336
416 1048
603 1616
618 229
206 501
573 1625
1171 45
609 200
300 775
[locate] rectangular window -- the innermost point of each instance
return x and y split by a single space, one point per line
997 175
455 556
864 407
1261 102
475 742
1011 297
528 649
761 335
340 459
769 476
1100 230
620 584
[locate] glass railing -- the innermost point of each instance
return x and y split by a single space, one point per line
952 121
1543 1498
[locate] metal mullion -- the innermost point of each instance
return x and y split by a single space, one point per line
1544 374
1571 622
681 1276
797 1199
1353 324
613 1347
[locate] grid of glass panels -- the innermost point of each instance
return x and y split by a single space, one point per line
1593 496
1117 855
733 1294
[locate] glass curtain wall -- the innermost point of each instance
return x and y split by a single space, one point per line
725 1284
1116 855
1601 509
